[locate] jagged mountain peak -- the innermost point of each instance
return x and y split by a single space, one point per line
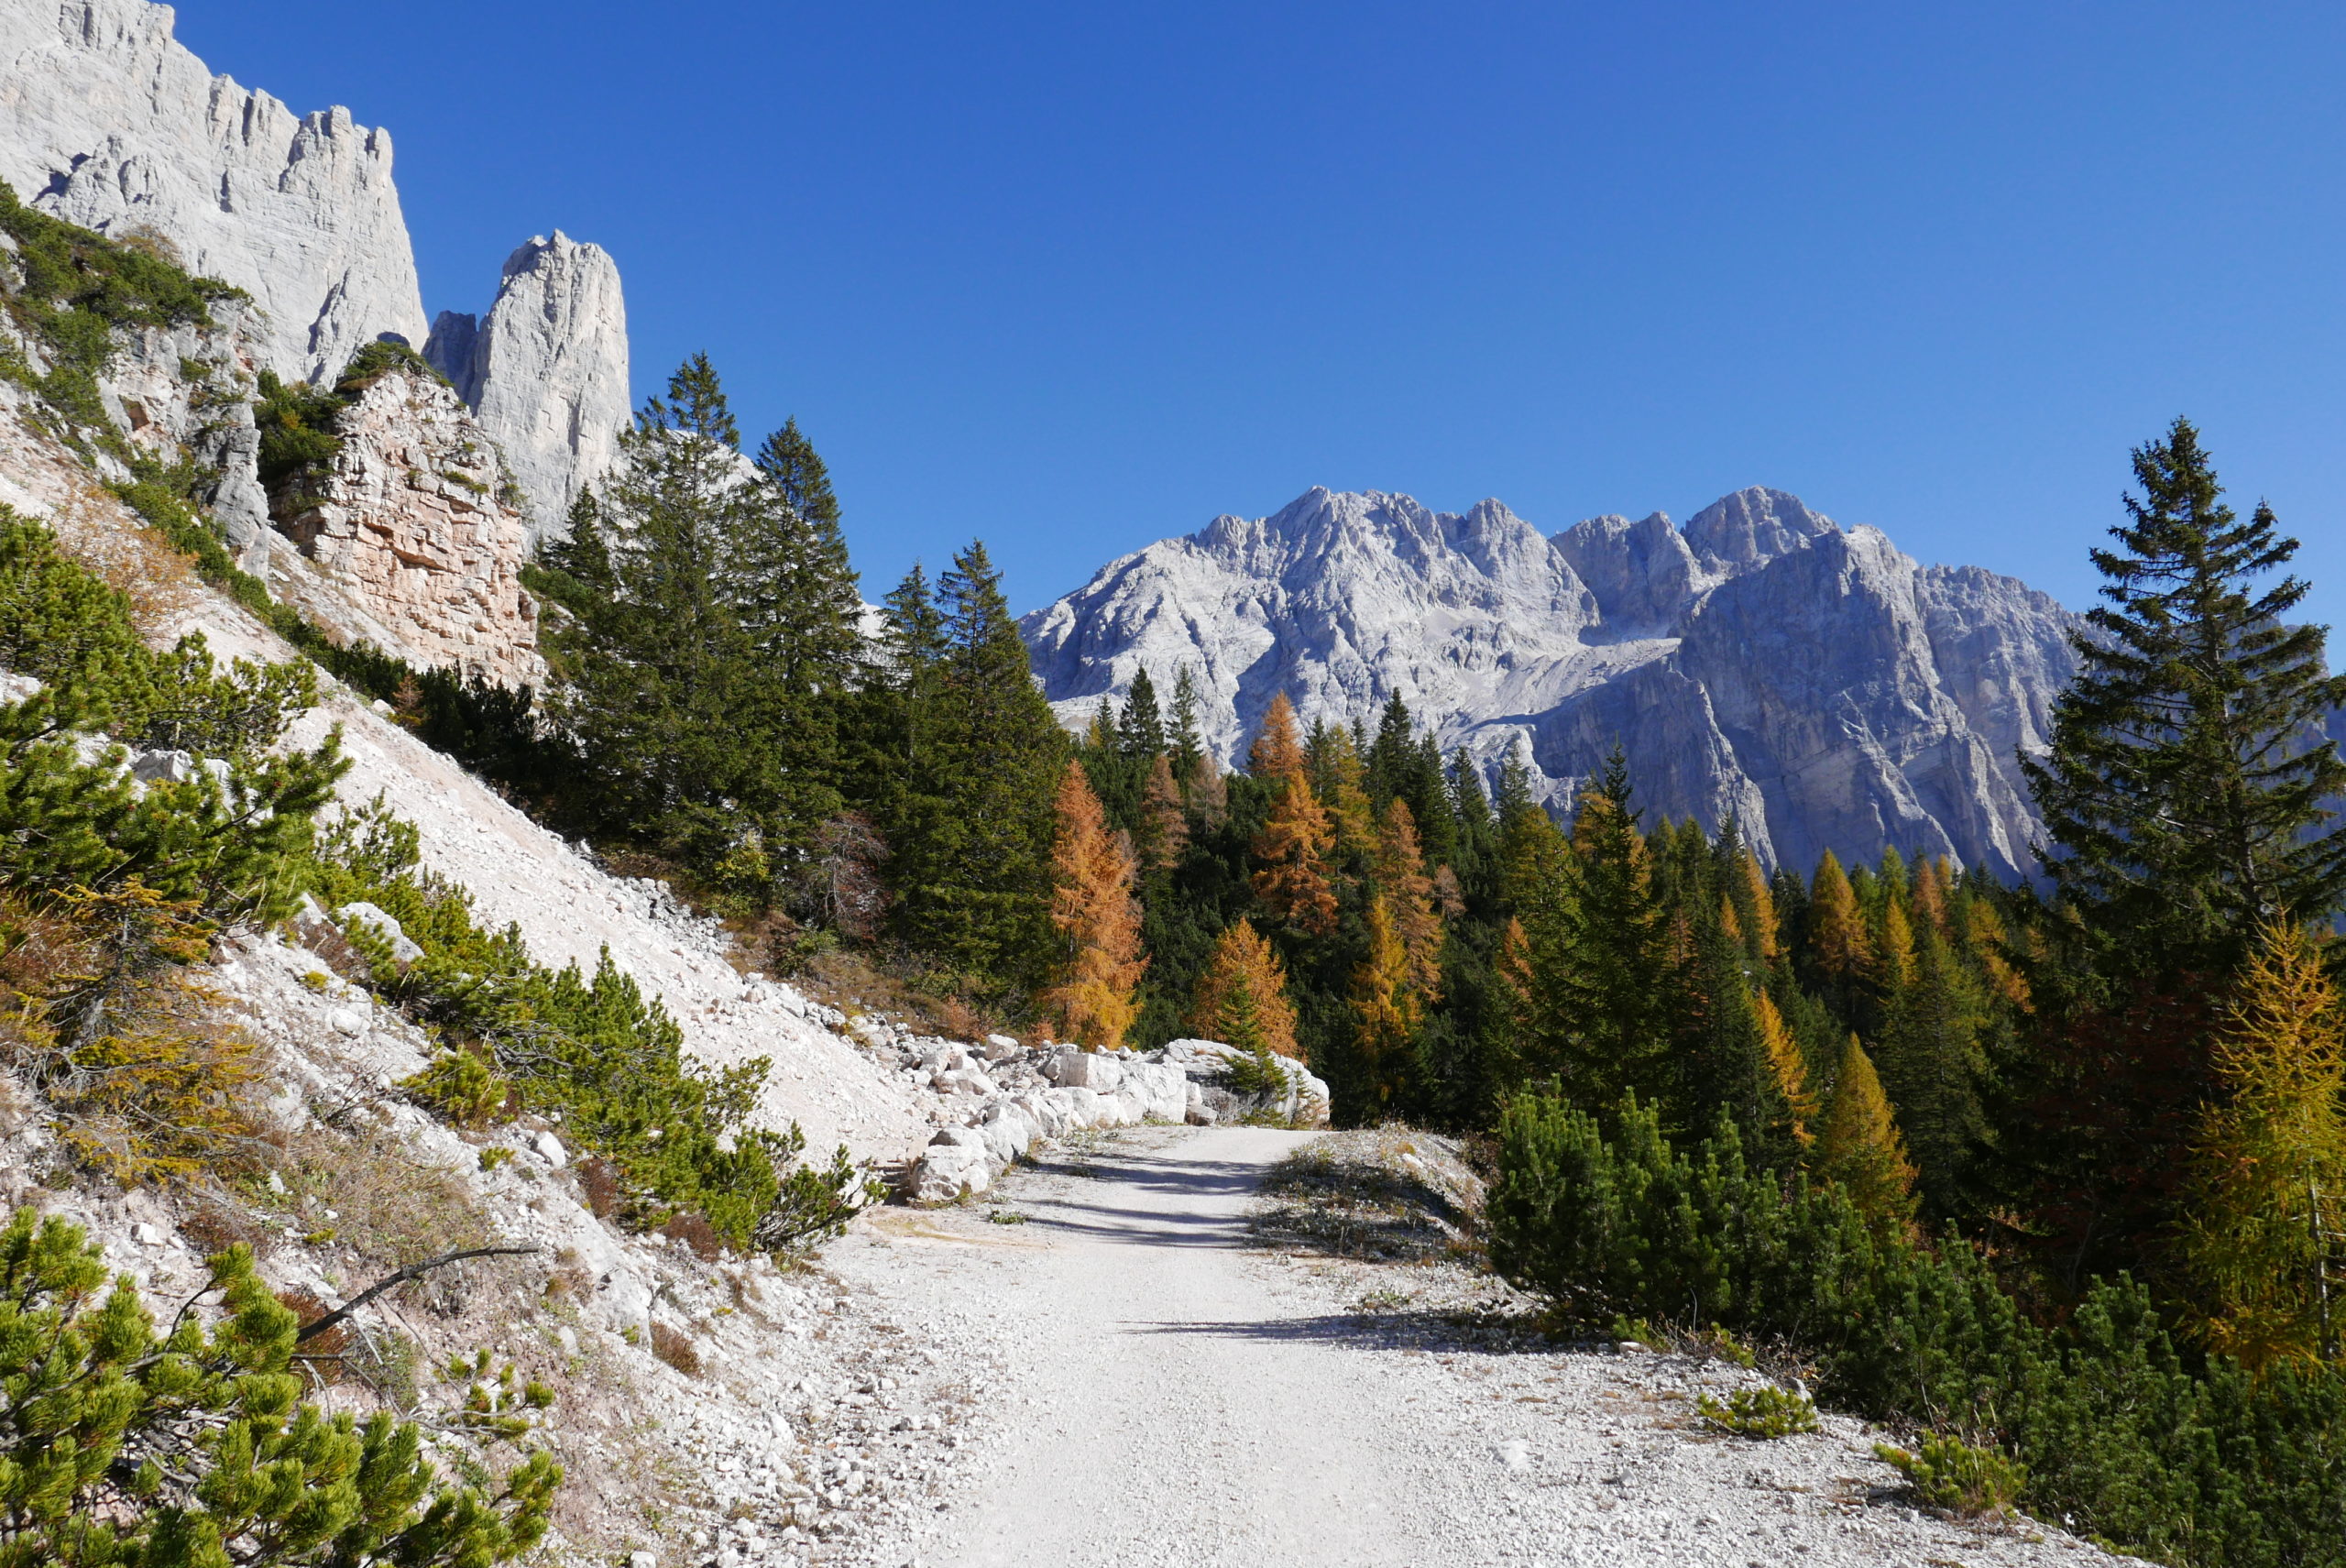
1762 662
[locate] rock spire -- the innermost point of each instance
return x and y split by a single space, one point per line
546 370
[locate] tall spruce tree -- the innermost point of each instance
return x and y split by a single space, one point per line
2183 791
654 671
974 848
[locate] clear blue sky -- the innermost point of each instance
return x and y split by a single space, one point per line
1075 277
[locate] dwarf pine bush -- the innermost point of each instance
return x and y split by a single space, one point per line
119 1447
2196 1461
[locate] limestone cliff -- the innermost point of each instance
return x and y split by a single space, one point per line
413 521
1762 664
106 121
546 371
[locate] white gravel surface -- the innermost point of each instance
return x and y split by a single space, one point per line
1160 1390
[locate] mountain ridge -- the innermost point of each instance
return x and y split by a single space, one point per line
1760 661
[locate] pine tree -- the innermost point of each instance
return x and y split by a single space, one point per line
1183 738
1932 1063
1099 963
1164 828
1614 984
1860 1146
1140 733
1243 960
2183 792
800 609
971 869
655 670
2265 1240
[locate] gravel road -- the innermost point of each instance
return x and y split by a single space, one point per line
1152 1388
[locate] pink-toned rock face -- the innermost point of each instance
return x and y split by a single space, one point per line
409 523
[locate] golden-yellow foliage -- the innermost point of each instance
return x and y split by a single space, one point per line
2266 1240
101 1011
1894 954
1860 1146
1242 956
1409 894
1765 938
1787 1067
1165 830
1098 919
1277 751
1837 927
1384 1006
1291 850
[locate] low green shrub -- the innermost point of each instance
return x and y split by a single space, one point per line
119 1446
1951 1474
2199 1463
592 1051
1760 1413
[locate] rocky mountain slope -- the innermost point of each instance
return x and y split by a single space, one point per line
110 123
1761 662
107 121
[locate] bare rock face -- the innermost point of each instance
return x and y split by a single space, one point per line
546 371
409 525
1816 687
108 122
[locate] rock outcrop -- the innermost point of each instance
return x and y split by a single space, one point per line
108 122
1814 684
414 524
546 370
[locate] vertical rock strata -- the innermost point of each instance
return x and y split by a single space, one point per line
1763 664
408 523
546 371
108 122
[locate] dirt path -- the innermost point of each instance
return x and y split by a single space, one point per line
1157 1392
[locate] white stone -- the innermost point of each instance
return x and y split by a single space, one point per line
403 947
108 122
145 1235
999 1047
550 1149
347 1021
163 767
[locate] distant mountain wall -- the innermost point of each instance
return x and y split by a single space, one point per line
1761 662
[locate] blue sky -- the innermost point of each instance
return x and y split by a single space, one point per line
1073 278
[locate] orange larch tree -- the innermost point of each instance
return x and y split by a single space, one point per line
1099 963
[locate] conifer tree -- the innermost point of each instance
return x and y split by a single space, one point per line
1277 751
972 866
1243 961
1164 828
1836 929
1409 895
1207 793
1860 1146
1291 849
1098 962
1789 1068
1385 1006
1339 782
1612 984
1932 1062
1140 733
653 668
1184 738
2181 793
2265 1240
